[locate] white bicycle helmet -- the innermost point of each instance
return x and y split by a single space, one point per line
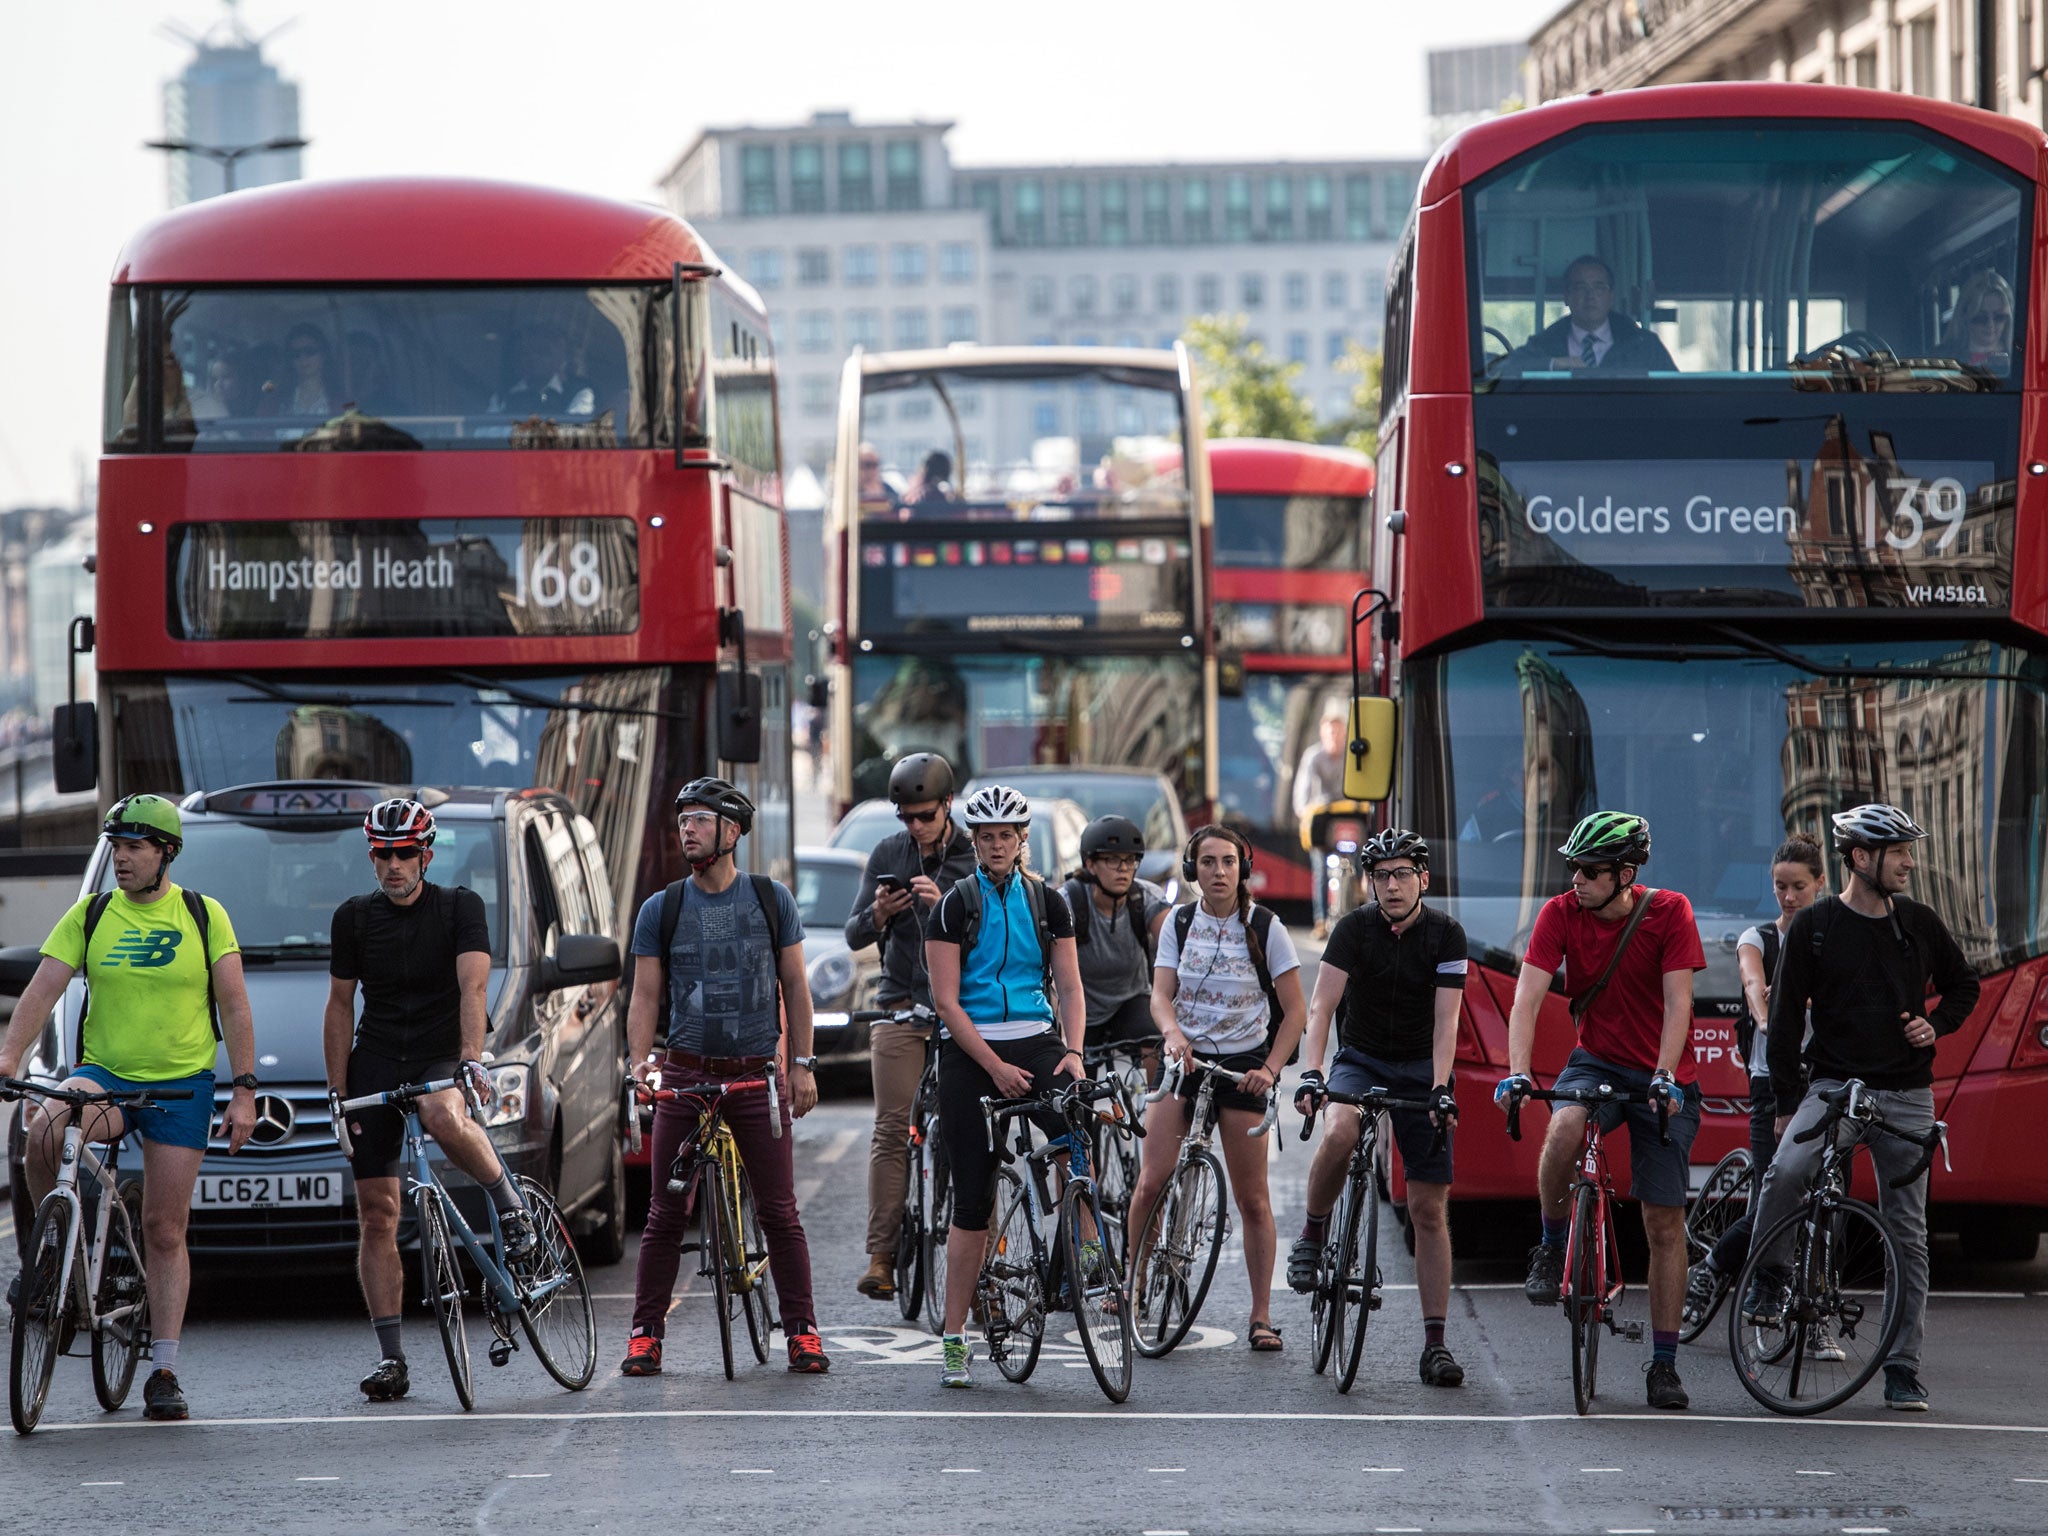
997 805
399 823
1874 826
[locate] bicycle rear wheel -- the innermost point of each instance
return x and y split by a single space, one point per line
1586 1299
122 1304
910 1268
1723 1200
1831 1270
41 1316
750 1279
1358 1276
938 1230
441 1279
560 1325
1174 1257
1012 1287
711 1254
1101 1307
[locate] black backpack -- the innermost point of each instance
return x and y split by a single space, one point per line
1257 929
671 914
969 887
1745 1027
1080 897
194 904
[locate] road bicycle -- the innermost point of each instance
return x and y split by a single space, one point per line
732 1252
541 1292
1119 1064
927 1184
1183 1232
1809 1333
1722 1204
1024 1278
1347 1288
82 1270
1592 1284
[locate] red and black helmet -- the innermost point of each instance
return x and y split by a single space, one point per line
399 824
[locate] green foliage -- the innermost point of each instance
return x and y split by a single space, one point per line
1359 427
1246 391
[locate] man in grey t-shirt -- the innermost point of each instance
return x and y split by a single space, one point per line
1117 918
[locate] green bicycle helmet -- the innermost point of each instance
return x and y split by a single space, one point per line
1620 837
149 817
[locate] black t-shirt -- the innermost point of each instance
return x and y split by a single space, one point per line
404 960
1392 979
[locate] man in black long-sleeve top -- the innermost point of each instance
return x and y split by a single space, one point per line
1865 965
906 875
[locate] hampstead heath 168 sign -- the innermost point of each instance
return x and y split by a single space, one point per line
445 577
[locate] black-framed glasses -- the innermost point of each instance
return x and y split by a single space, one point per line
919 818
403 855
1400 874
1117 860
1590 870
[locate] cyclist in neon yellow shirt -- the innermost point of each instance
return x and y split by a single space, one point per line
149 1023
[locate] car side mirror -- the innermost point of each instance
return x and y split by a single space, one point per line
739 716
579 960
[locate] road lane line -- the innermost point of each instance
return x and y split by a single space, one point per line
118 1484
1165 1533
975 1470
520 1476
1631 1530
1383 1469
1810 1472
805 1189
753 1471
2031 1479
1166 1469
841 1144
1599 1469
1866 1530
316 1479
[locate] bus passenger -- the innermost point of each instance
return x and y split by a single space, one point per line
1591 335
312 391
1979 329
878 497
931 494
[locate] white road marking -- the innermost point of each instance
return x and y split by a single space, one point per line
1383 1469
805 1188
1866 1530
1165 1533
975 1470
1166 1469
1809 1472
1599 1469
1631 1530
841 1144
117 1484
753 1471
1398 1530
316 1479
522 1476
2031 1479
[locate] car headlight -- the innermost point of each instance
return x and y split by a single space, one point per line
831 976
511 1086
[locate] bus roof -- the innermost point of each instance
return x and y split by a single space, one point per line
1020 361
1251 466
1488 145
409 229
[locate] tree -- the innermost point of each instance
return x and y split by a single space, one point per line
1246 391
1359 427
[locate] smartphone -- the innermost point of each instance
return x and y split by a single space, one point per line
890 883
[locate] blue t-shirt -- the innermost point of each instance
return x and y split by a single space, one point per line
721 975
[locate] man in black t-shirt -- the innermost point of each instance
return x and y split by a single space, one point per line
421 954
1395 972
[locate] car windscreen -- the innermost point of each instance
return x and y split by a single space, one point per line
825 893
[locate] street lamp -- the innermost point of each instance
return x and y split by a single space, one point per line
225 156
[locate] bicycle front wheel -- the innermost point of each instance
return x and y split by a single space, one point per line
711 1255
1828 1278
1585 1297
938 1230
1358 1282
441 1278
910 1234
1012 1286
750 1274
1174 1257
122 1307
1326 1301
1095 1276
42 1315
554 1298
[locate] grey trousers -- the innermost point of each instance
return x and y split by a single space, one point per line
1794 1169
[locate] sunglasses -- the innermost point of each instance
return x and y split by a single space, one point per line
919 818
1590 871
403 855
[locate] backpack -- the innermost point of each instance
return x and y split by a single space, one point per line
1081 899
1257 929
194 904
672 913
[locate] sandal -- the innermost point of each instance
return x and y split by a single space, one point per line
1265 1338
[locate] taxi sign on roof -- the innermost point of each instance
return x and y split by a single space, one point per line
297 800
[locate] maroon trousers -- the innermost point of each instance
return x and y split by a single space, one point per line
771 1170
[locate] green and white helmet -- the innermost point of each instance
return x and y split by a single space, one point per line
1619 837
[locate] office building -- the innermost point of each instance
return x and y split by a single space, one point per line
1469 85
228 96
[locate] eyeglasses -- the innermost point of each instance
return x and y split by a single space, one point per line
1402 874
1117 860
403 855
697 818
919 818
1590 871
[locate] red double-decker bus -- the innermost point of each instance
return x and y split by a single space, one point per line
1288 553
1712 487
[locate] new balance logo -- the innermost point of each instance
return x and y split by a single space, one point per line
144 951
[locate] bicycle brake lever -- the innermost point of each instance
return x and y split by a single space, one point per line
774 1103
1941 1133
340 1121
1271 1117
1308 1126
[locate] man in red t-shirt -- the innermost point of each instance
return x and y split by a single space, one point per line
1634 1033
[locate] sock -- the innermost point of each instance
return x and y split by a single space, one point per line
1313 1226
1432 1331
504 1194
387 1336
1554 1231
165 1353
1664 1346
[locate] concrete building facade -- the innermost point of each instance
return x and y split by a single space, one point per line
228 96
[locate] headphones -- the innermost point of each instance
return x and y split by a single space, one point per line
1230 835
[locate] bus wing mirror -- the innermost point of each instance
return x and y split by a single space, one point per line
818 691
1229 675
75 748
739 715
1369 757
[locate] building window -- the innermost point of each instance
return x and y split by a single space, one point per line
1297 346
915 407
1297 290
1208 294
814 330
1158 226
757 178
959 324
1073 212
863 327
1166 294
1115 202
986 197
1041 296
818 394
1123 294
1251 290
859 265
1375 292
908 263
764 268
813 266
1194 209
1333 349
913 328
1028 210
856 177
904 162
1863 69
1237 207
1081 294
1358 208
956 262
1315 201
1279 207
807 178
1922 57
1336 290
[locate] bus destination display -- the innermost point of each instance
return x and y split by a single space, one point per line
1026 585
399 579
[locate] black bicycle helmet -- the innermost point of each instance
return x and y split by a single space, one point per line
1111 834
718 796
1394 843
920 777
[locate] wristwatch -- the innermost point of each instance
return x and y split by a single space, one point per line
808 1063
249 1080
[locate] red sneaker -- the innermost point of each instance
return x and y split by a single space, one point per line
807 1354
643 1356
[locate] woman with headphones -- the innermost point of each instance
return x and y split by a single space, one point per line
1226 988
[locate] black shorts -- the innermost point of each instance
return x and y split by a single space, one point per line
962 1085
1130 1021
1228 1095
379 1133
1355 1072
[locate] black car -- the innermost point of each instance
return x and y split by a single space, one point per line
280 858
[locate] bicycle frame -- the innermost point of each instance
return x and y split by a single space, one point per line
713 1142
1607 1262
1203 1114
77 1154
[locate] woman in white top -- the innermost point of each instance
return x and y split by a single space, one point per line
1209 1006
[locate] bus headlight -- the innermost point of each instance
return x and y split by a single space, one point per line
511 1085
831 976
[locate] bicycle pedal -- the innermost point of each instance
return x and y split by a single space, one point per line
1632 1331
501 1353
1372 1302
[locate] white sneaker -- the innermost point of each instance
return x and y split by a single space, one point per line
1821 1343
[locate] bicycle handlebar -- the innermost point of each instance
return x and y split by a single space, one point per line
1374 1099
1848 1103
916 1013
19 1087
645 1095
1590 1098
1175 1073
1061 1100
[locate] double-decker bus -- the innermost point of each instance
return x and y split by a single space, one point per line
1288 554
1017 572
1712 484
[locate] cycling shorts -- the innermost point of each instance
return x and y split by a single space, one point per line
963 1129
179 1123
1228 1095
379 1132
1425 1161
1659 1172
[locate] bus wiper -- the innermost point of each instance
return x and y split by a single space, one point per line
532 700
300 697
